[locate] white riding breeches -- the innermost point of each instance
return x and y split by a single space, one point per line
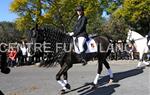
81 41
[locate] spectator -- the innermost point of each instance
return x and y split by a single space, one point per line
120 49
30 55
12 57
24 53
132 50
19 54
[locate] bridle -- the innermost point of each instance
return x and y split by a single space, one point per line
129 37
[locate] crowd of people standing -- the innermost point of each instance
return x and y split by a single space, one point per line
20 54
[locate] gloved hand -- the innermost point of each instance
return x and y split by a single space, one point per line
146 36
71 34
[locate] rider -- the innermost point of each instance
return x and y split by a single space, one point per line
80 31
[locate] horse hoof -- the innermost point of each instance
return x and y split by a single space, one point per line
110 82
138 67
88 83
148 65
62 92
94 86
68 86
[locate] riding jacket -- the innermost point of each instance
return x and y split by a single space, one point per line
80 27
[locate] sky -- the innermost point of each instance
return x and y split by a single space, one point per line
105 15
5 13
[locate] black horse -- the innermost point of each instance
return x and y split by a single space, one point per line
66 58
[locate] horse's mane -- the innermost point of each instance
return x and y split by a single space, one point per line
139 35
54 36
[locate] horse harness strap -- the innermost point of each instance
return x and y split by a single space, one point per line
139 39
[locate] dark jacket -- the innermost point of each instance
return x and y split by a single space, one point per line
80 27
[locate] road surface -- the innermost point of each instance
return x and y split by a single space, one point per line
32 80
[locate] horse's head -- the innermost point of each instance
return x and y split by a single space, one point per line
133 36
129 36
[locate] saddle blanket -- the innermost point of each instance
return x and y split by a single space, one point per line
91 46
148 43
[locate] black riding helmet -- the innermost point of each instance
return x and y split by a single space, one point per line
79 8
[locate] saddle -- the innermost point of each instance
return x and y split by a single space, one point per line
90 45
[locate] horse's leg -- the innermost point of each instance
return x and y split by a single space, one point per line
106 64
99 70
65 76
58 76
141 58
64 69
146 63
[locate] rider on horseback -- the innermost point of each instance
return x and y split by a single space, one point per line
80 32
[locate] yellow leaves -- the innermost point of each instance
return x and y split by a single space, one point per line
16 4
20 22
136 16
135 12
41 20
58 13
117 13
36 12
23 22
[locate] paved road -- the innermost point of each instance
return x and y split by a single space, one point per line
32 80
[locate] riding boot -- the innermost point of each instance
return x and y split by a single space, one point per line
82 59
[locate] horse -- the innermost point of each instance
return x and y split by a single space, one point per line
66 58
140 43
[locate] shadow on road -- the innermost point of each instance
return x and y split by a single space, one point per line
122 75
103 89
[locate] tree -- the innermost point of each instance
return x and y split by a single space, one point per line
136 13
29 12
113 5
63 11
9 33
115 28
58 13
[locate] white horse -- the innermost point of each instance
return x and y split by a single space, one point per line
140 45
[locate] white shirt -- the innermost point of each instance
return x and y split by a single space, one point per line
79 17
24 50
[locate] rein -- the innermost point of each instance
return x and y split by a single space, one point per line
139 39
